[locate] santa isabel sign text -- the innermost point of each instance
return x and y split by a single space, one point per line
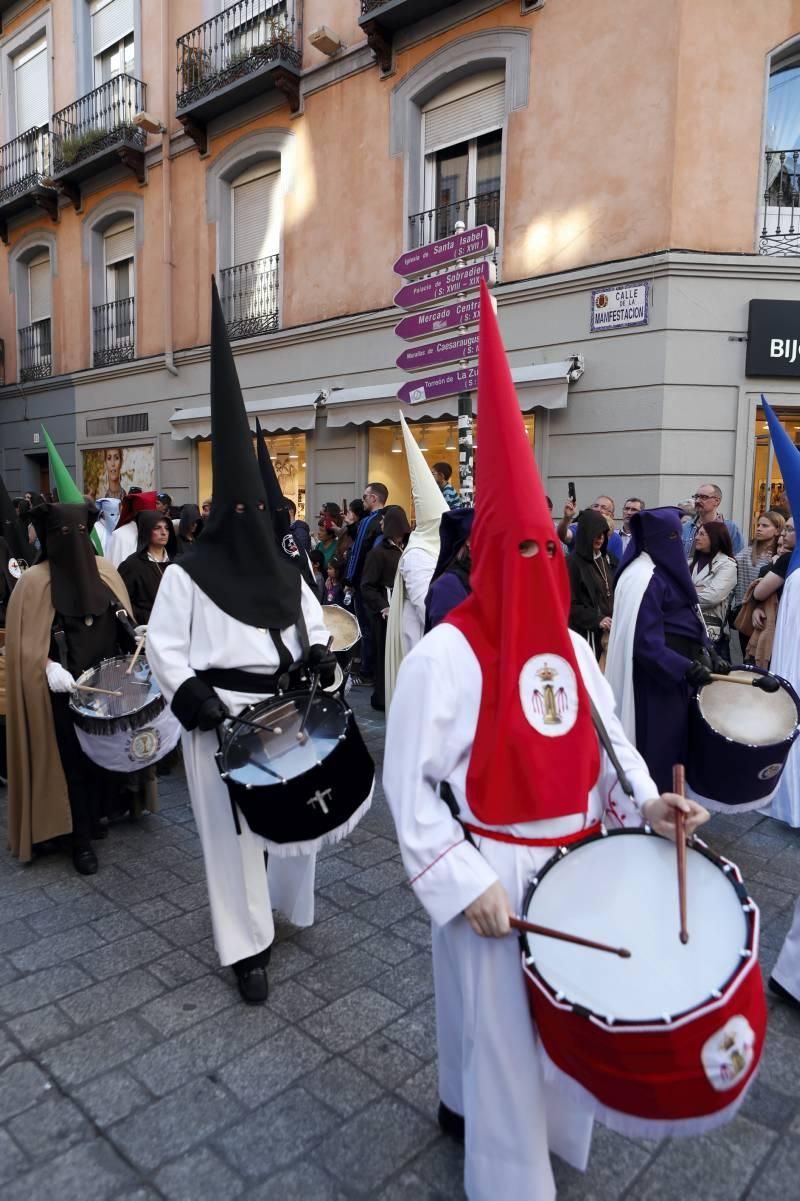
437 387
466 245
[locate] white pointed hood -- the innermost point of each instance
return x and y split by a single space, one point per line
429 504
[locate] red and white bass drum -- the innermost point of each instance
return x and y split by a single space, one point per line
668 1041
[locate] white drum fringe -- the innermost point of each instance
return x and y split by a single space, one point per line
285 850
721 807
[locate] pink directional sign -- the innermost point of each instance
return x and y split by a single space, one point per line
439 354
437 387
434 321
449 283
467 245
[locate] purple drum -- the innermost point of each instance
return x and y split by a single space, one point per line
739 741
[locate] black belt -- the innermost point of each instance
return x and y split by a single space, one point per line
234 679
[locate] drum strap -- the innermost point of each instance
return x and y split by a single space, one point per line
608 747
284 654
60 639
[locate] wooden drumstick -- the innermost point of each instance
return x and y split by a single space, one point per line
139 648
302 737
99 691
679 786
765 683
519 924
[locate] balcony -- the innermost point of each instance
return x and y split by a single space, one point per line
432 224
35 351
247 50
380 20
249 295
114 329
24 165
97 132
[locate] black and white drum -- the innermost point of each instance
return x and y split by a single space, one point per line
299 789
126 724
739 741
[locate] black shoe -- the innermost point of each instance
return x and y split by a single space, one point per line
84 861
783 993
451 1123
253 985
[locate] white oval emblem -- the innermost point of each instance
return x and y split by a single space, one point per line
14 568
769 773
727 1055
144 744
548 692
290 546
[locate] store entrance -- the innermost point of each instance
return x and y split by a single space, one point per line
288 454
767 477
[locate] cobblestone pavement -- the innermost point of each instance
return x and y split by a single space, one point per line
130 1069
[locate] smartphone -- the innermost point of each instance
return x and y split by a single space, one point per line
571 492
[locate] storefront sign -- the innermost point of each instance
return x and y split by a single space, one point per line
435 321
467 245
620 307
439 354
773 338
449 283
437 387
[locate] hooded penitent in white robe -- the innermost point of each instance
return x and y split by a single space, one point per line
490 1069
785 662
187 633
406 623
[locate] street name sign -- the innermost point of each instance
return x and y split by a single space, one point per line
437 387
434 321
450 283
467 245
439 354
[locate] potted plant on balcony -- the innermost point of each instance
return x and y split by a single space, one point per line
78 145
195 63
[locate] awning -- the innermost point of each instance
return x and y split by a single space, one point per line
281 414
543 386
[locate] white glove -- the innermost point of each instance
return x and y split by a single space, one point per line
140 631
58 678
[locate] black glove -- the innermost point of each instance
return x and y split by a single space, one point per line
719 665
698 675
324 661
211 714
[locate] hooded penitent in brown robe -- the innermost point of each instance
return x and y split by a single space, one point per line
38 802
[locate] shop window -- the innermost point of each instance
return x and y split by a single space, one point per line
767 477
288 453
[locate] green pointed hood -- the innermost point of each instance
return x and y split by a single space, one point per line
68 491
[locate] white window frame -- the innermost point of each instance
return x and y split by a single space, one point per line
40 26
271 166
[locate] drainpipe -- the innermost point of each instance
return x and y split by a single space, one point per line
166 193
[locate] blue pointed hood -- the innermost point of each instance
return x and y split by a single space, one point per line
788 457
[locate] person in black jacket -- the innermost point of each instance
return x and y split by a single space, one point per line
142 571
377 581
591 578
190 527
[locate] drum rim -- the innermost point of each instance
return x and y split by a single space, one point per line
79 713
344 649
787 740
250 711
669 1021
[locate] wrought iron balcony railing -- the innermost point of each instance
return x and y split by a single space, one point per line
432 224
249 295
99 122
35 351
780 230
248 36
114 329
24 163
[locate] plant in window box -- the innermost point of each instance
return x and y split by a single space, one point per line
73 148
195 65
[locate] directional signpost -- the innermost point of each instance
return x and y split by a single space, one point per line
456 308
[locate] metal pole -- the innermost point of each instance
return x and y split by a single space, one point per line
466 454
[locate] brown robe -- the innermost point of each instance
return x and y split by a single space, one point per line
38 802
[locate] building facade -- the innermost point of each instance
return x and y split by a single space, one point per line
638 163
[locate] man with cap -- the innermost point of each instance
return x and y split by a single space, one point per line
125 538
231 621
66 614
519 783
406 622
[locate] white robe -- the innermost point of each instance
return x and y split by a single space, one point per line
187 633
122 542
406 623
489 1069
785 804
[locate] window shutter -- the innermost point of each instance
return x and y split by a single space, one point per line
39 289
30 85
452 119
120 242
111 22
256 216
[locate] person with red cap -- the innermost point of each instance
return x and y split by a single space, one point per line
525 769
123 542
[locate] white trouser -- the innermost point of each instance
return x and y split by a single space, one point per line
787 969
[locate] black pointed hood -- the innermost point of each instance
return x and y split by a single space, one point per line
237 563
77 588
281 517
11 528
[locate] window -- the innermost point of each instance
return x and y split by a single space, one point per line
250 284
462 146
251 24
30 87
779 234
114 321
33 315
112 39
119 252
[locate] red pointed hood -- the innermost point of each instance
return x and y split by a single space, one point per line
535 754
135 503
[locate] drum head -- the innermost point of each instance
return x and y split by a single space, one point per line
342 626
123 695
623 890
746 714
261 758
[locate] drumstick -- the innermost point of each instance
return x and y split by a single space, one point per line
257 725
679 786
765 683
301 733
99 691
519 924
139 647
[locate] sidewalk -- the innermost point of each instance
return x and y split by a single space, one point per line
130 1069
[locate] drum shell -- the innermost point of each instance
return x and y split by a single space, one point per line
281 813
729 775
